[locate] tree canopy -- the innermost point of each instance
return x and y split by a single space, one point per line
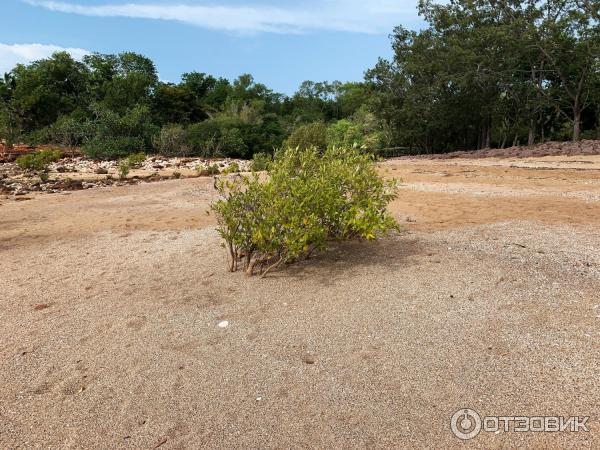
483 73
492 73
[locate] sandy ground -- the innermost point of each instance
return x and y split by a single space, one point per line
488 299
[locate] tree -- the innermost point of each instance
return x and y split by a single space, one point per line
176 104
9 119
488 72
46 89
121 81
568 35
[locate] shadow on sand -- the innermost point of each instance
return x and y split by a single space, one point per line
343 259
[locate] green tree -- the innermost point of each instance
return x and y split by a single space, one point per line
46 89
9 117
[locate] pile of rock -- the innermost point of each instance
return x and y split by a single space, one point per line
77 173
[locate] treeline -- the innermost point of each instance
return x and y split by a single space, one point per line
484 73
493 73
114 105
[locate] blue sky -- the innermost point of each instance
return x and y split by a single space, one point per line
281 42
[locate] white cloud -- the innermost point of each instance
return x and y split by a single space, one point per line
11 55
359 16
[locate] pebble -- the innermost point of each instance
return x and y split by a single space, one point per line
309 359
223 324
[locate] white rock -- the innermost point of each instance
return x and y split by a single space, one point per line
223 324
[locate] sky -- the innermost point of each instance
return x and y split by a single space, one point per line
281 43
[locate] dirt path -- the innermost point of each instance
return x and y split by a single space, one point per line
488 299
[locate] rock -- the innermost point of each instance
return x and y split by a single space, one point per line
223 324
309 359
101 171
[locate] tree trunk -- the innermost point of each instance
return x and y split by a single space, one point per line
543 135
531 137
577 124
488 137
250 268
231 257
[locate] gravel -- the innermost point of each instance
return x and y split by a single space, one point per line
113 341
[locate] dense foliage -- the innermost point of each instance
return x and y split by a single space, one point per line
482 73
492 73
307 199
114 105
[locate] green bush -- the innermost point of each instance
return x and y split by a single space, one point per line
136 160
308 136
117 135
71 131
234 167
308 199
38 161
113 147
261 162
217 137
344 133
124 169
209 171
171 141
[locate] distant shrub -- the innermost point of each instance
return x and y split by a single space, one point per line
177 175
261 162
171 141
217 137
113 147
208 171
232 143
115 135
124 169
71 131
38 161
344 133
308 199
136 160
308 136
234 167
38 136
44 177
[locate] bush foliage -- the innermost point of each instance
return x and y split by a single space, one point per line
261 162
117 135
308 136
307 199
171 141
38 161
136 160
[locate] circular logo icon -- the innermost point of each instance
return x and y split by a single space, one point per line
465 424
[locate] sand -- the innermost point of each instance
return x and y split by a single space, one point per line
489 298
